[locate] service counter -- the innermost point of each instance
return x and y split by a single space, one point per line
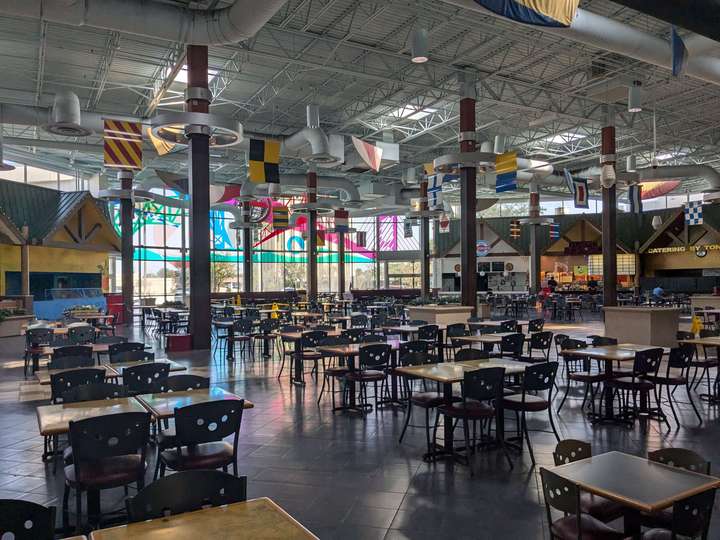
656 326
436 314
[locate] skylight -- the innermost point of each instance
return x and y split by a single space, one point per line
670 155
181 77
413 112
564 138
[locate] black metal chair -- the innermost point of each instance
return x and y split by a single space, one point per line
464 355
571 450
332 368
537 378
265 333
111 340
70 362
536 325
645 367
511 346
452 332
148 378
200 432
242 333
359 321
286 350
676 374
372 338
539 341
508 326
373 363
35 340
690 519
564 495
353 334
81 335
63 382
25 520
116 350
94 392
577 369
706 363
559 339
186 491
72 350
482 392
185 382
108 451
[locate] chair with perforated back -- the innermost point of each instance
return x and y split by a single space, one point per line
541 342
108 451
242 333
285 345
35 340
537 378
117 349
70 362
452 332
111 340
508 326
185 382
407 349
676 374
266 333
378 320
186 491
353 334
511 346
564 496
558 339
72 350
429 333
81 335
482 390
575 372
147 378
372 338
464 355
690 519
416 322
645 368
359 321
333 369
309 342
373 363
25 520
673 457
536 325
571 450
200 432
63 382
94 392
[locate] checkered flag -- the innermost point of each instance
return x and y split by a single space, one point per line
694 213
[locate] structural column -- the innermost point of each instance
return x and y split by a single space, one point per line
312 285
247 251
25 262
341 262
534 214
609 216
468 201
126 243
424 242
198 100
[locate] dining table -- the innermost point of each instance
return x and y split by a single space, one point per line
409 331
622 353
449 373
298 369
640 485
162 405
255 519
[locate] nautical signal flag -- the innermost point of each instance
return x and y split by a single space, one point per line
408 232
515 228
694 213
341 221
122 144
444 224
679 53
369 153
264 161
537 12
554 231
580 193
428 168
506 172
320 239
280 218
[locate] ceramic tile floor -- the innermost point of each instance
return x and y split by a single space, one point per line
345 476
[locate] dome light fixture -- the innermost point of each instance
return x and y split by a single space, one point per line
419 45
635 97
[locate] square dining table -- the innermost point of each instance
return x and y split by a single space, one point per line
162 405
449 373
635 482
55 419
256 519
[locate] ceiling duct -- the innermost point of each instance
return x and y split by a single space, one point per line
155 20
65 117
610 35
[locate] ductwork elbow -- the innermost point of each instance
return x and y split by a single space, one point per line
316 139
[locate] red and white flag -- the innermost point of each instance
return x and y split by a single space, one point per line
369 153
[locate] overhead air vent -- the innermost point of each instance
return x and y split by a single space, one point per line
65 118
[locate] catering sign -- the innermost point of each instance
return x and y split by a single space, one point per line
683 249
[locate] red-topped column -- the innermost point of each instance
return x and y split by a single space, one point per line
609 217
126 243
468 201
312 285
424 242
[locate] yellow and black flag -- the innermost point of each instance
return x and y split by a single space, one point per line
122 144
264 161
280 218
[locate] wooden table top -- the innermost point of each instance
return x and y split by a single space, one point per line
453 372
307 314
484 338
354 348
118 367
623 352
163 405
96 348
496 324
705 342
96 317
404 328
55 419
635 481
256 519
81 537
43 375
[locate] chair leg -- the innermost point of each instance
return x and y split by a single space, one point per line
78 509
65 511
527 437
567 391
427 430
468 453
552 423
697 413
408 413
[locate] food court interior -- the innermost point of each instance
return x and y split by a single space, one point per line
399 269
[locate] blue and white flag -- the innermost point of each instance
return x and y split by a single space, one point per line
538 12
435 182
694 213
635 198
435 199
679 53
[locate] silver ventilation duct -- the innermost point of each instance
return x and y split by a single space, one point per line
154 20
611 35
65 117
